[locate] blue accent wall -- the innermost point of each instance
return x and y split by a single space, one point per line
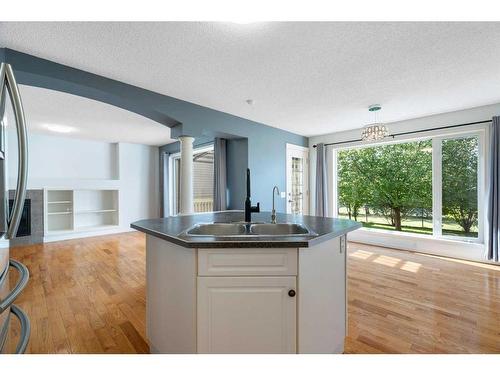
265 153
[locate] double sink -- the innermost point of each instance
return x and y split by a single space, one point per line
241 229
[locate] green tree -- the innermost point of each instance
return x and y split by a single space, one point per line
459 160
396 178
353 192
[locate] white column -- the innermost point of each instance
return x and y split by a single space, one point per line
186 175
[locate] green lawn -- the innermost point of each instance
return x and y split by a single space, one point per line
412 225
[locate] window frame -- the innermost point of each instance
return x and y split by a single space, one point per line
172 176
479 131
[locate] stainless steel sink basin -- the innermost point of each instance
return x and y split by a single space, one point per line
280 229
217 229
248 230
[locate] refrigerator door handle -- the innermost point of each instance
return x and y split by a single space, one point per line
24 276
8 82
4 194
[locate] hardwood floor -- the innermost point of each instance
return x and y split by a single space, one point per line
401 302
88 296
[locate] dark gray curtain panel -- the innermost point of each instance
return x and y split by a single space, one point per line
164 204
321 201
494 191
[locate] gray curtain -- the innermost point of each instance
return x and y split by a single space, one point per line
164 208
220 175
321 203
494 191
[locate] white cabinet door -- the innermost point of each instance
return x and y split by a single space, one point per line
246 315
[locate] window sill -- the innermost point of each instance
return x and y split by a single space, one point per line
420 243
451 239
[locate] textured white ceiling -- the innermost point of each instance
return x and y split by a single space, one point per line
309 78
90 119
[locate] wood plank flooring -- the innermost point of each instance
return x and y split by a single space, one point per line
402 302
88 296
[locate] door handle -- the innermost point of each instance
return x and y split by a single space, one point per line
8 82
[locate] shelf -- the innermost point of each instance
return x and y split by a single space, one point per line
89 228
59 231
95 211
81 210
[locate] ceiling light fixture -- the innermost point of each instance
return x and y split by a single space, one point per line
376 130
60 128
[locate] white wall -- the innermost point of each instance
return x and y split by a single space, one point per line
139 182
61 162
52 159
430 122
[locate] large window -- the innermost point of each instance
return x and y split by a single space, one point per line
460 187
203 181
427 187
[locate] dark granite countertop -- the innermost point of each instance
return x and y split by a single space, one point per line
171 229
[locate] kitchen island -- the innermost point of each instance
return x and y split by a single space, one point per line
216 284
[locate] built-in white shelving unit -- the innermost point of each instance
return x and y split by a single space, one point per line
58 210
68 211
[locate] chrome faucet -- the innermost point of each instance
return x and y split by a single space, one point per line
273 212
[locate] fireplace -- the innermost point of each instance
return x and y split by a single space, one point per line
24 228
30 229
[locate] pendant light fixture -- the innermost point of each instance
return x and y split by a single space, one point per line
376 130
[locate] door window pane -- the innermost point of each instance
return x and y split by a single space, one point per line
459 187
297 197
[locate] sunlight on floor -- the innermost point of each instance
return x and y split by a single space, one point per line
386 260
361 254
467 262
414 266
411 266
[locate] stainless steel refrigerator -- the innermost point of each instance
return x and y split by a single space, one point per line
9 219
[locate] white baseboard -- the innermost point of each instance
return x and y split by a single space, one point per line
74 235
81 234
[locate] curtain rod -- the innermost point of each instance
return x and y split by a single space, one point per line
412 132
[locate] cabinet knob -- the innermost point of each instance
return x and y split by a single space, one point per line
291 293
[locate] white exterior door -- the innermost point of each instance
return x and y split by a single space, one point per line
246 314
297 177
